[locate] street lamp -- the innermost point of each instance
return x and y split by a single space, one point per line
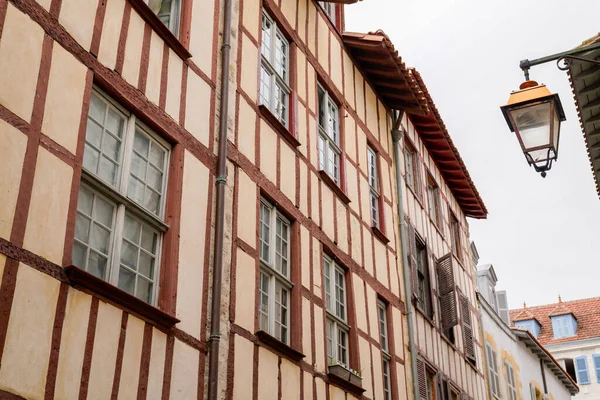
534 115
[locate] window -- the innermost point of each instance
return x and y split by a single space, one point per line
569 366
433 197
329 9
383 334
424 284
275 285
118 227
335 300
167 11
531 325
493 375
411 167
329 136
455 236
431 395
510 381
596 361
374 186
583 376
274 70
564 326
536 394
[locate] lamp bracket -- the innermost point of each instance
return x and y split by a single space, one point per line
561 57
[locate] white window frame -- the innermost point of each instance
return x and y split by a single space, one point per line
329 9
493 374
268 65
385 349
277 278
336 313
455 235
329 150
173 25
510 380
372 166
124 206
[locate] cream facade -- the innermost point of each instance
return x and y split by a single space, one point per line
110 126
517 366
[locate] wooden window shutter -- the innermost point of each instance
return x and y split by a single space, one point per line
446 287
465 310
422 379
412 258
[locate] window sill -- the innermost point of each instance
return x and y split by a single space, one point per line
279 346
423 313
345 384
161 29
334 186
118 297
380 235
449 342
414 193
278 126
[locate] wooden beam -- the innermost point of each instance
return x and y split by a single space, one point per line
591 104
587 72
590 88
593 119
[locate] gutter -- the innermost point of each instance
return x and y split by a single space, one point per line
397 135
221 180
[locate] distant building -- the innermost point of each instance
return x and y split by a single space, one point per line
571 332
517 365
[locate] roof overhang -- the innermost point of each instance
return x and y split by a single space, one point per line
540 351
584 78
378 59
435 136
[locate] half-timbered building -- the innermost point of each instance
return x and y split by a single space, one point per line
200 200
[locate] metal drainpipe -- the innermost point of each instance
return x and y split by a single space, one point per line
221 180
397 135
544 376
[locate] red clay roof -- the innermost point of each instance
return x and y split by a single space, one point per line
378 59
523 315
586 311
435 136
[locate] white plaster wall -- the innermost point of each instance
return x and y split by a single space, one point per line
577 349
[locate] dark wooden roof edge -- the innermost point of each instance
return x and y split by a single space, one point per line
435 117
545 355
373 43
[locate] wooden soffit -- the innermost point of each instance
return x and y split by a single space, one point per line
584 78
437 140
377 58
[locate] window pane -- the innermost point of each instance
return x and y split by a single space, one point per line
264 302
281 100
281 312
141 144
104 133
126 280
330 336
281 56
281 248
321 148
129 253
265 232
266 36
99 238
342 347
146 180
265 87
340 306
103 212
138 166
97 265
332 124
79 255
146 265
144 290
327 274
82 228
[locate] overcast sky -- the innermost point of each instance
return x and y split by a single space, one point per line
541 235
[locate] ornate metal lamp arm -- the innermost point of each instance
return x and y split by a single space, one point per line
561 57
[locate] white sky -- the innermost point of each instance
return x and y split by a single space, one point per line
541 235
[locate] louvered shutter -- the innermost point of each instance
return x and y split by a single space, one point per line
412 258
502 302
532 392
465 310
446 287
422 379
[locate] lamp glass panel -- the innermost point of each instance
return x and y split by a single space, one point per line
532 124
556 130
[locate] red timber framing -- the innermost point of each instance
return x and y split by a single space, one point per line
437 140
156 321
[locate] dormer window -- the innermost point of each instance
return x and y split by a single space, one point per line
564 326
531 325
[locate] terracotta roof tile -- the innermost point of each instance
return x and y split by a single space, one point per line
586 311
438 141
